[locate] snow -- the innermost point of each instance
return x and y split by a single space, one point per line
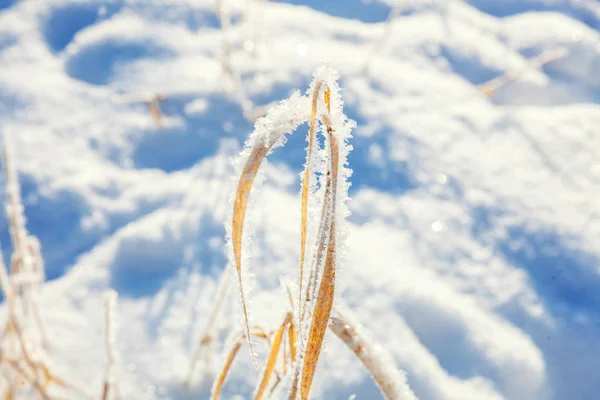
472 245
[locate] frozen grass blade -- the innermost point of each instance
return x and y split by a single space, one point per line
324 301
292 340
220 381
26 257
391 381
272 360
291 331
239 213
268 130
337 130
14 209
322 240
305 190
39 274
238 339
285 353
7 291
326 291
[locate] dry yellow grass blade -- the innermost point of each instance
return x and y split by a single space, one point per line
291 333
154 108
324 302
322 242
315 340
28 359
105 391
390 380
239 213
272 360
305 188
285 355
218 385
322 233
292 340
274 131
30 379
220 380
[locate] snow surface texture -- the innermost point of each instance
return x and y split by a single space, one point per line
473 252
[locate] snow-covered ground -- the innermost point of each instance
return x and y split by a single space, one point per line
473 245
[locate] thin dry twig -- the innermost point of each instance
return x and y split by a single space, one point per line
208 336
490 88
110 381
391 381
154 108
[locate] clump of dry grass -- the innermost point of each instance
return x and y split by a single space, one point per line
26 370
295 345
24 366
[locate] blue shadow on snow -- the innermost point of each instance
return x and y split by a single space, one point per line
182 147
55 221
380 173
370 12
507 8
65 22
566 277
97 63
142 264
6 4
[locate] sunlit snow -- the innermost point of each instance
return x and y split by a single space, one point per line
473 251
